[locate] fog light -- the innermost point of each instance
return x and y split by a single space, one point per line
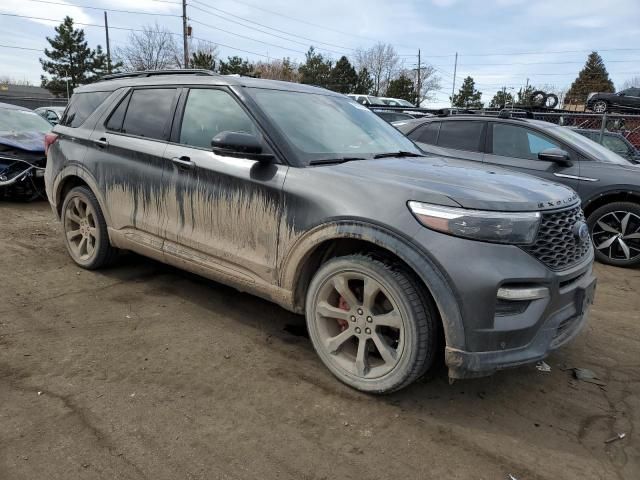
522 293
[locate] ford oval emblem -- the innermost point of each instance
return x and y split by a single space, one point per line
581 231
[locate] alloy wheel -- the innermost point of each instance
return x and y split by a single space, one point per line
80 228
359 325
600 106
617 235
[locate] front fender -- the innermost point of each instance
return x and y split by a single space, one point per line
415 256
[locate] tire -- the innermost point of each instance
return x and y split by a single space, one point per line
538 98
551 101
379 345
615 241
600 106
83 221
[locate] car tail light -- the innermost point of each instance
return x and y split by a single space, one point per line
49 139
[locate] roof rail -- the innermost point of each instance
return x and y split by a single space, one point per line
515 114
153 73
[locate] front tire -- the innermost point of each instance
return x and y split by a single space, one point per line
615 232
85 230
371 323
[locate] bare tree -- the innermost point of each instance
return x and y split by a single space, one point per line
204 55
276 69
381 61
632 82
429 82
152 49
7 80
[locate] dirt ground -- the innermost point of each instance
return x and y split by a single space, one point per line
143 371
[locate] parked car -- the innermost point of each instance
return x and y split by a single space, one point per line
608 184
396 102
628 99
367 100
22 158
50 114
306 198
392 115
614 141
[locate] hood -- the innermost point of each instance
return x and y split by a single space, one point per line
468 184
29 141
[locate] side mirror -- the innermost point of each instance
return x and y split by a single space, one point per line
239 144
555 155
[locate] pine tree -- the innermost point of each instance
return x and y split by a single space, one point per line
402 87
70 59
316 70
202 59
592 78
364 83
343 76
236 65
468 96
524 95
501 99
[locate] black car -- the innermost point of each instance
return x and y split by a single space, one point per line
306 198
608 184
22 155
391 116
628 99
614 141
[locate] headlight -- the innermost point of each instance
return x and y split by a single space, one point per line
499 227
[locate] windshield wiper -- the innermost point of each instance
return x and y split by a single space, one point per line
329 161
400 153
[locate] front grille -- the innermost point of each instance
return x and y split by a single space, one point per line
556 244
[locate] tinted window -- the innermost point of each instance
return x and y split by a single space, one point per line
209 112
115 120
427 133
461 135
82 105
149 113
615 144
519 142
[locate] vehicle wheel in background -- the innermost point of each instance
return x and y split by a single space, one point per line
85 230
615 231
551 101
538 98
371 323
600 106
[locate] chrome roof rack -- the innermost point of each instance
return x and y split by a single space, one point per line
153 73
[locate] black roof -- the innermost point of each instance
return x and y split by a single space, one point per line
194 77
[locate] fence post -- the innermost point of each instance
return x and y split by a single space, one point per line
603 126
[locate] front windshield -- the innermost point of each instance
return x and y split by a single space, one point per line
405 103
22 121
322 127
601 153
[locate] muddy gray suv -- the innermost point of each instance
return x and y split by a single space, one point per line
306 198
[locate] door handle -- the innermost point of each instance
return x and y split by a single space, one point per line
101 142
183 162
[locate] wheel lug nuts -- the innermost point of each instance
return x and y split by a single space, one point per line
353 318
360 311
358 330
369 319
367 330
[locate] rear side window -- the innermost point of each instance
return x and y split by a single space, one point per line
426 134
461 135
115 120
519 142
82 105
149 113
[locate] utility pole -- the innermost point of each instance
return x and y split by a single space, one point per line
455 68
185 34
418 86
106 31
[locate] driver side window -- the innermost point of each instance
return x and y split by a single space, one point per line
209 112
519 142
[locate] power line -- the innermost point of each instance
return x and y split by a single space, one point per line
247 38
106 9
537 63
314 42
21 48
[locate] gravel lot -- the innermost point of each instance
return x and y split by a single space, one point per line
143 371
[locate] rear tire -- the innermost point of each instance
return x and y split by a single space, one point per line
85 230
371 323
615 232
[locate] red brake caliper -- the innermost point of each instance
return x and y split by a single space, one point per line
343 305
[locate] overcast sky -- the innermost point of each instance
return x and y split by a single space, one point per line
500 42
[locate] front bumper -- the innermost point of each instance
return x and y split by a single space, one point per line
495 339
